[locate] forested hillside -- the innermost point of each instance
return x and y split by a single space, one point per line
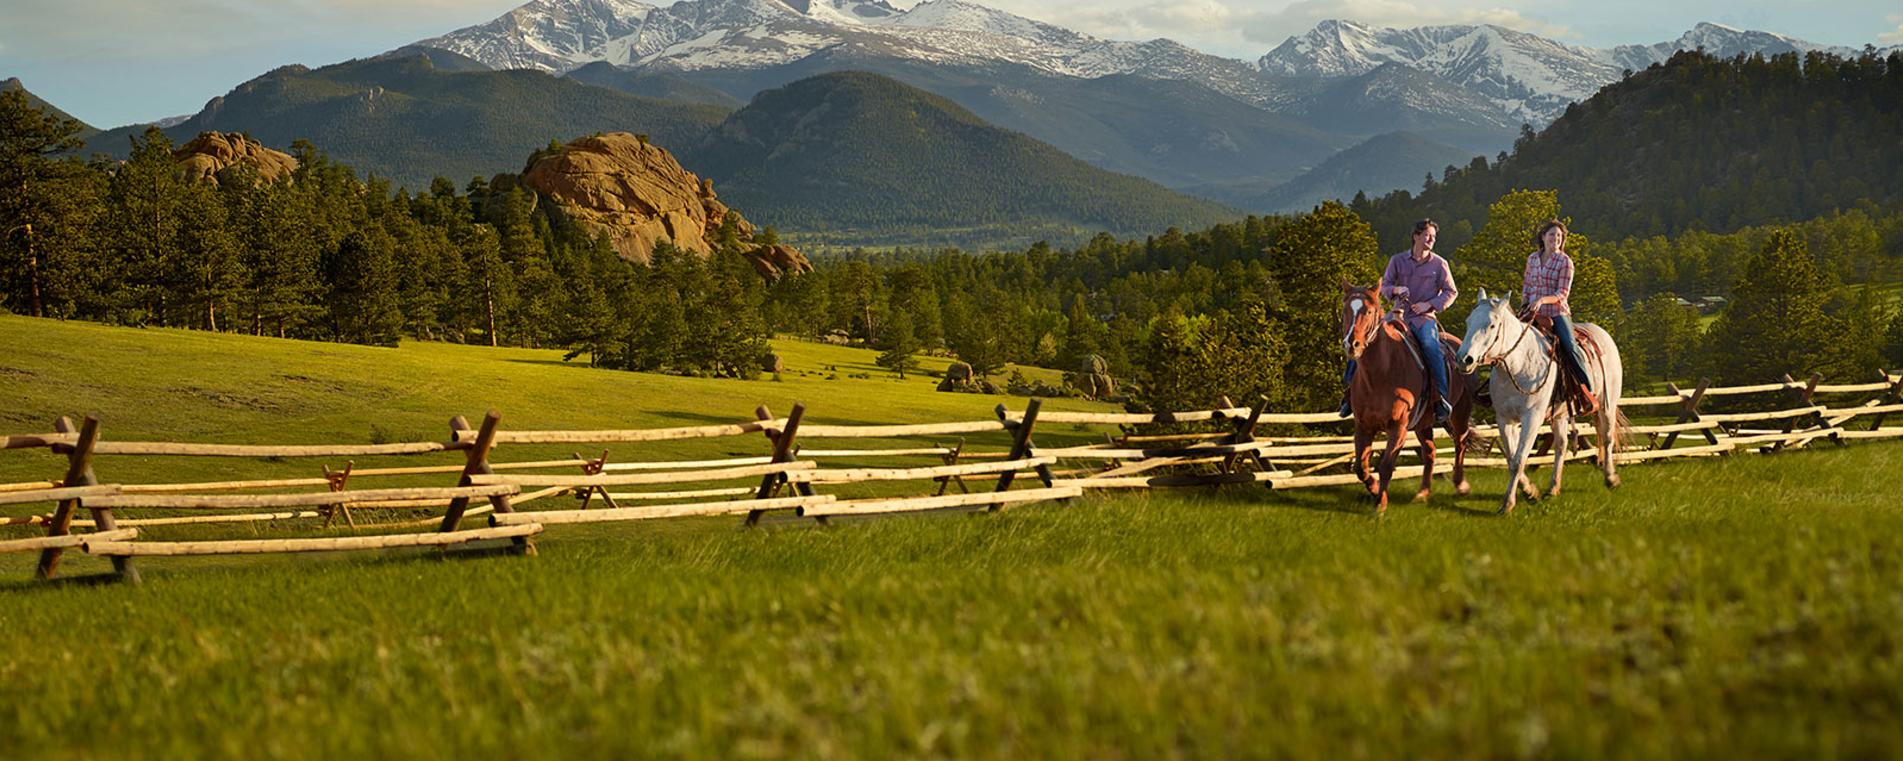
863 158
1696 143
408 119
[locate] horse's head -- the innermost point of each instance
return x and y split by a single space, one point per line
1360 314
1490 319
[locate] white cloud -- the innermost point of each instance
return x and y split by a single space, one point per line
1894 36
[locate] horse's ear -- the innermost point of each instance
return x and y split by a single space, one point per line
1483 294
1507 299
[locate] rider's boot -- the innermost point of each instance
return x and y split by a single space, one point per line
1347 404
1442 409
1588 402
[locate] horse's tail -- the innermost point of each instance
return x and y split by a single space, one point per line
1622 437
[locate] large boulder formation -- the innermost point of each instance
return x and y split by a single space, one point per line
1093 378
959 377
636 193
212 152
777 260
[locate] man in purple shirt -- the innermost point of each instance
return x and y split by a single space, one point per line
1419 282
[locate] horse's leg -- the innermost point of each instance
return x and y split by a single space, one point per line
1364 445
1522 448
1562 445
1462 439
1607 425
1397 436
1427 469
1460 430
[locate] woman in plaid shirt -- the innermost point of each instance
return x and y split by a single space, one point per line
1549 283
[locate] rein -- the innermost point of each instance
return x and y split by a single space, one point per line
1496 359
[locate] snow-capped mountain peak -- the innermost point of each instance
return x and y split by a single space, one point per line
1526 77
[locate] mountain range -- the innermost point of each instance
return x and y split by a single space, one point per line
1345 107
1157 109
858 158
1526 78
413 115
86 131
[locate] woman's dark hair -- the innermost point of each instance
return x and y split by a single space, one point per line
1421 226
1539 238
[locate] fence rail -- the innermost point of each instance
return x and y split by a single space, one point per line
1224 448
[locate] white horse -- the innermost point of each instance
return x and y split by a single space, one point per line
1525 376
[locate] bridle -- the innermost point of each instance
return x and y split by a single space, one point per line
1490 357
1363 308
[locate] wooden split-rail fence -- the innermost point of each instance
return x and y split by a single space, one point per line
795 478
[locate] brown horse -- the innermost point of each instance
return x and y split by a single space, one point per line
1387 395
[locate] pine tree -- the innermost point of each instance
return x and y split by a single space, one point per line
29 178
1892 348
1775 324
364 305
491 286
144 219
1662 340
899 343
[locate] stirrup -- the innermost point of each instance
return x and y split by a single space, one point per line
1442 410
1585 402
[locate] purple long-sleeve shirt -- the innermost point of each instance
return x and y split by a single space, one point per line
1428 282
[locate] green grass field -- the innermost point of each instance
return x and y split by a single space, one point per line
1748 606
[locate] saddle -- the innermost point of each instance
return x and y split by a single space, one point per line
1571 389
1449 346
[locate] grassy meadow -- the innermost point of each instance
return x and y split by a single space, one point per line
1743 606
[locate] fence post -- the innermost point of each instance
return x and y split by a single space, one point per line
1893 396
478 465
782 452
1688 411
951 458
1021 447
79 472
594 468
1244 433
1802 396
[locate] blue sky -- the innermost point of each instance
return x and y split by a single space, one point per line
114 62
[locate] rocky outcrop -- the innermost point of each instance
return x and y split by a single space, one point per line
212 152
777 260
960 378
636 193
1093 378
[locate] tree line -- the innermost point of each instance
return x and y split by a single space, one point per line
1238 309
324 254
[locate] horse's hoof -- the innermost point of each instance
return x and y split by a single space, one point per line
1553 493
1504 510
1463 488
1612 481
1423 495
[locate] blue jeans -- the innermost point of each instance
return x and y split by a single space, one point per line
1569 348
1428 334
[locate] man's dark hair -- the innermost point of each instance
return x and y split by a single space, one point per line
1421 226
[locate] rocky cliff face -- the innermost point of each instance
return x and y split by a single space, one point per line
212 152
636 193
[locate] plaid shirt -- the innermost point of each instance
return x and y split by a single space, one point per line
1547 277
